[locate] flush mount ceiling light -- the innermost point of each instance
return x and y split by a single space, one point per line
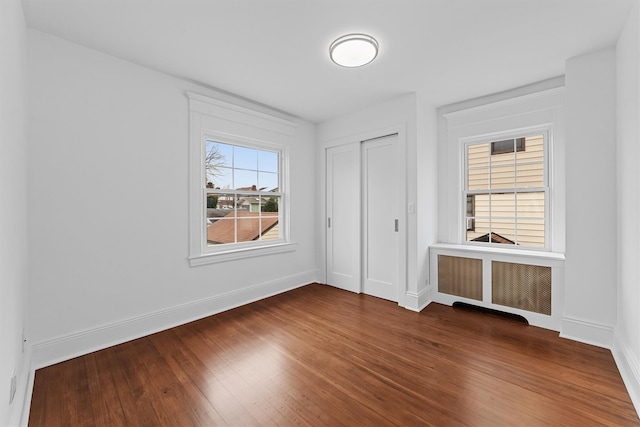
353 50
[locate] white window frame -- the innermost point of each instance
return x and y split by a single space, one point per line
258 145
546 132
241 125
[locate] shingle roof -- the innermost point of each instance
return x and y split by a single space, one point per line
249 226
495 237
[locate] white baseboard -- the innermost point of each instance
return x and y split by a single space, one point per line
19 409
587 332
26 404
417 301
629 367
66 347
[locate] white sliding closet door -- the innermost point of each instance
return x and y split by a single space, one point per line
343 217
380 219
362 223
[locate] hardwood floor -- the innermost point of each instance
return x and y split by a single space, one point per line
321 356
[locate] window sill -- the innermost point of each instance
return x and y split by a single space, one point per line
553 256
232 255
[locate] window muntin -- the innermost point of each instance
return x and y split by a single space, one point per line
508 191
242 192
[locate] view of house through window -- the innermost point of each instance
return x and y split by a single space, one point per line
506 191
242 191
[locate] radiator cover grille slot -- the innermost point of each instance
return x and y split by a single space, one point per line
523 286
460 276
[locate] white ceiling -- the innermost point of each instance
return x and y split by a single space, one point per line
276 51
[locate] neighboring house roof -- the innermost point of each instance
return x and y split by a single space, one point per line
249 227
252 188
495 237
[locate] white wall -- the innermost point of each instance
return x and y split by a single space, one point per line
590 293
108 206
627 336
426 190
417 118
13 208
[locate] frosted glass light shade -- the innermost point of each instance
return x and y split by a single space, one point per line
353 50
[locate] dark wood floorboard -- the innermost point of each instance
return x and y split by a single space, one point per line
319 356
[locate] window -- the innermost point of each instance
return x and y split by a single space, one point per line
506 191
238 180
501 175
242 192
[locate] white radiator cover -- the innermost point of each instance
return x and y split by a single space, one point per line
527 283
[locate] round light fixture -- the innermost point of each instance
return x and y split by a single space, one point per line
353 50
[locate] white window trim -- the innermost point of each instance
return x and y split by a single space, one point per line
247 125
539 106
547 132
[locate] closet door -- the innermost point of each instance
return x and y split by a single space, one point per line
380 219
342 220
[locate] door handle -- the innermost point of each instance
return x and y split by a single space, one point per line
396 225
328 222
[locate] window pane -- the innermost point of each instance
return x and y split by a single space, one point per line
530 175
470 214
481 206
245 158
222 230
271 233
270 206
503 205
478 155
267 161
212 202
481 222
223 179
503 231
245 180
225 201
531 232
502 159
478 179
267 181
248 226
249 203
224 151
530 205
503 177
217 157
534 150
270 219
